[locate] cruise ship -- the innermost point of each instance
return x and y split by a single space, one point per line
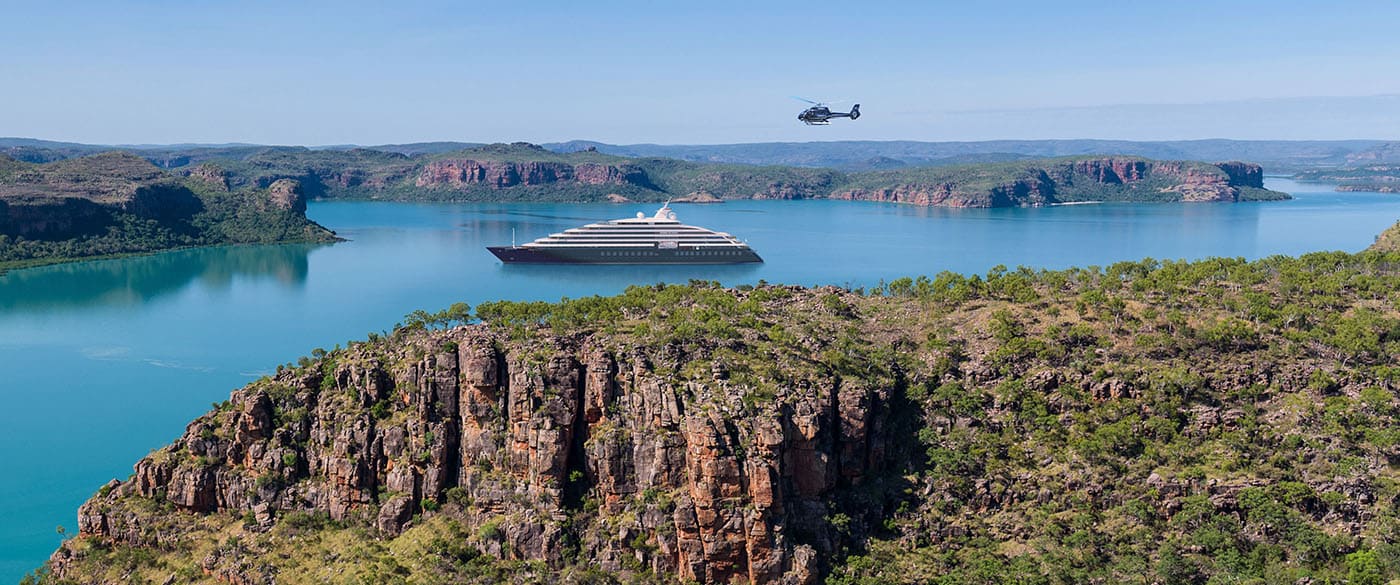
659 239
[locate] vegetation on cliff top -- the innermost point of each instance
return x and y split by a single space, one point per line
117 203
1219 421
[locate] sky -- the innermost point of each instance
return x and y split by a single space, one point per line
324 73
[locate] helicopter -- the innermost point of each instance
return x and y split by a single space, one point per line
820 115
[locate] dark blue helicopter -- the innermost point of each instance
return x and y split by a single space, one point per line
820 115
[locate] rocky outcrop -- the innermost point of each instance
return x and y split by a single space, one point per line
286 194
211 175
1243 174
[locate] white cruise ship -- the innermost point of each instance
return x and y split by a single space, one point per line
659 239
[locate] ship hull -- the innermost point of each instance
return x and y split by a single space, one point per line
581 255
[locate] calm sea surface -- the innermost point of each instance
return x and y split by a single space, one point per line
100 362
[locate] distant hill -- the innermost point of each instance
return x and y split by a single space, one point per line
1388 152
1278 155
417 148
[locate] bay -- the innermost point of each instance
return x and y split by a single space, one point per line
102 361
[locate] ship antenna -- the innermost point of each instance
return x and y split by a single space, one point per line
512 238
665 207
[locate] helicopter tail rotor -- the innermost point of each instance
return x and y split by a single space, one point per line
855 111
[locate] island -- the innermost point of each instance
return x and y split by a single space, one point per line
1376 178
118 203
1150 421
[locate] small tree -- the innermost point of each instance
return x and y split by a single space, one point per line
1363 568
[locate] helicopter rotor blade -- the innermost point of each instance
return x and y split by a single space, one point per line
805 100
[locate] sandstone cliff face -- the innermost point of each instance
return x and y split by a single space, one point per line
1112 171
1197 184
522 433
463 173
53 220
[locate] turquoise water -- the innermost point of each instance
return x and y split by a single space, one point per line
100 362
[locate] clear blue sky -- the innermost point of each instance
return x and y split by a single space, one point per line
695 72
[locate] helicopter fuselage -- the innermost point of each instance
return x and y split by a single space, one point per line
822 115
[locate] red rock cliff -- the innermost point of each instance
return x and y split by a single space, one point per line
688 484
465 173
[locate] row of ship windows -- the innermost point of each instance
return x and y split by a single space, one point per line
678 253
671 227
708 253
